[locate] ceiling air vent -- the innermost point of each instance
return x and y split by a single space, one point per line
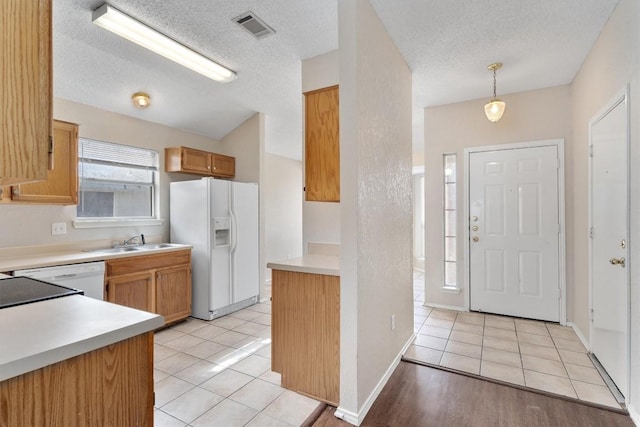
254 25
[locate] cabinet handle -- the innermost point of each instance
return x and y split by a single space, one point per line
16 191
50 154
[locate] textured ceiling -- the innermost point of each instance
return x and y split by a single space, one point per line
447 44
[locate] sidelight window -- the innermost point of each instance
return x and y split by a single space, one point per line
450 221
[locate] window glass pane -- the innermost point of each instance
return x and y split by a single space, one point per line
450 248
450 168
450 223
450 195
115 181
450 274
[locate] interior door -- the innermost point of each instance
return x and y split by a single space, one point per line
609 258
514 232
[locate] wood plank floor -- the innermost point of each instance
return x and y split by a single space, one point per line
422 396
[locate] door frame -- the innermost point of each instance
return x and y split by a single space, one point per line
562 269
622 96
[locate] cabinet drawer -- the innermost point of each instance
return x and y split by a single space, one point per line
147 262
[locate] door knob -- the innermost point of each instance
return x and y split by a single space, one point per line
474 228
474 218
618 261
475 238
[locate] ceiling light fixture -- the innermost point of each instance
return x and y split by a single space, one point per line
494 109
140 100
127 27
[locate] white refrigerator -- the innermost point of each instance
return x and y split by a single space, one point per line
219 219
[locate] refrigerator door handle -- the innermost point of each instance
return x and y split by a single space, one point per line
234 231
234 240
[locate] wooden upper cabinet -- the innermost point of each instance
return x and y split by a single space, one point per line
61 185
223 165
199 162
26 94
322 145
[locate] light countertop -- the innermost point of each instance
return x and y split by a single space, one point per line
314 264
43 258
36 335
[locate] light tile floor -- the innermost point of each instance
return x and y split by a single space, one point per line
539 355
218 373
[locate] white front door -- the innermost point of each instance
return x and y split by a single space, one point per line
609 243
514 232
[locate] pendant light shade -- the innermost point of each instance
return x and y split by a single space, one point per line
494 109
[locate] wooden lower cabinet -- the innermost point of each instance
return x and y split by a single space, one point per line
133 290
110 386
158 283
173 298
305 333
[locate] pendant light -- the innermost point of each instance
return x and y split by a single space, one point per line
494 109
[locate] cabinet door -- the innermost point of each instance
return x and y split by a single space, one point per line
133 290
196 161
305 333
26 96
322 145
5 193
61 186
224 165
173 293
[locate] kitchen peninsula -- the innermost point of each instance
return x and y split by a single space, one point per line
305 334
76 361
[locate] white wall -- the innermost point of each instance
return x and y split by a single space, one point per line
247 143
321 220
530 116
376 206
283 209
613 62
35 221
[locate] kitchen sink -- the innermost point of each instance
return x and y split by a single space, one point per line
117 250
137 248
159 246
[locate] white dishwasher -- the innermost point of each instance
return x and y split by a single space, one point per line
88 277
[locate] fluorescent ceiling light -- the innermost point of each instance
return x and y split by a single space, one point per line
125 26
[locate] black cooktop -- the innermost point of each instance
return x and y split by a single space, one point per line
24 290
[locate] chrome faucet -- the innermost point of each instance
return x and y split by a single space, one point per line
139 238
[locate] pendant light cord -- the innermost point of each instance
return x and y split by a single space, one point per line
494 83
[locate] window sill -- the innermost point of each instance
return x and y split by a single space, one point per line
109 223
450 290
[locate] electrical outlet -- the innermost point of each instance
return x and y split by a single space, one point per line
58 228
393 322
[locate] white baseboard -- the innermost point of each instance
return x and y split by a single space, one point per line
445 307
635 416
357 418
583 339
